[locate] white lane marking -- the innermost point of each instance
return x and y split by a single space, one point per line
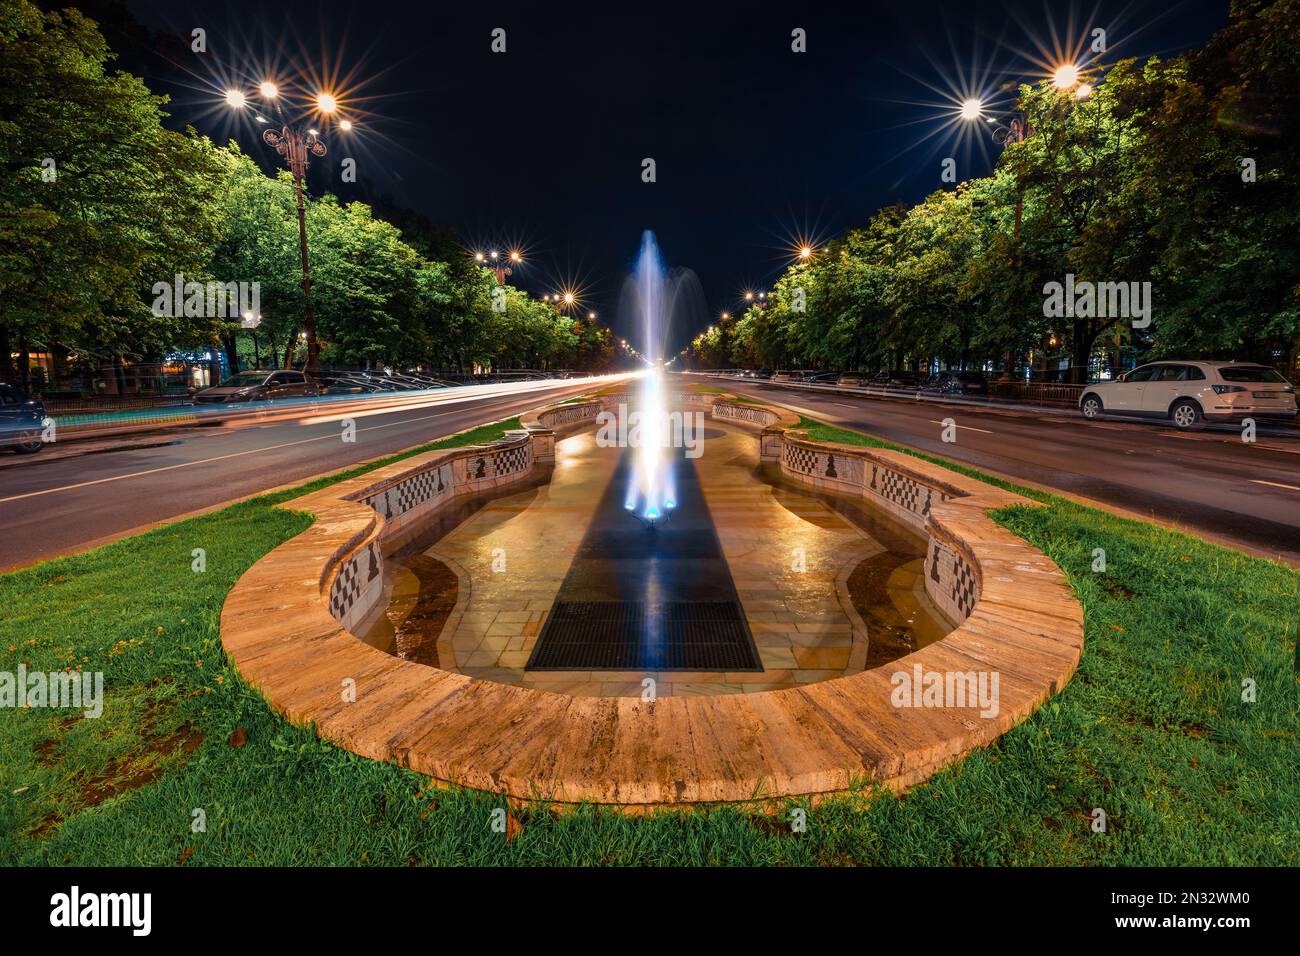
842 405
1274 484
811 413
969 428
1219 439
205 461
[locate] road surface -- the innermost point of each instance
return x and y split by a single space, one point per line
1209 482
67 504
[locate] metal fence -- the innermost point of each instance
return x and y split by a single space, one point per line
1037 393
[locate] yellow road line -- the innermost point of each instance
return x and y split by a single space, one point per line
1274 484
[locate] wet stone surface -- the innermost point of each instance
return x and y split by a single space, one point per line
826 586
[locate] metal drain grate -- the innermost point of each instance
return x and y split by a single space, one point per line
625 635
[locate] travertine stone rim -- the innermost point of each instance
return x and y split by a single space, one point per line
1024 624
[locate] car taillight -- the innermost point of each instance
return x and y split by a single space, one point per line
1224 389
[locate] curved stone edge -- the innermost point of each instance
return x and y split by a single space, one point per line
277 626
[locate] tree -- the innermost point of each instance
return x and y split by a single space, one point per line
98 201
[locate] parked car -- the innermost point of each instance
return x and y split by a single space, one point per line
903 379
263 386
1188 392
22 420
962 383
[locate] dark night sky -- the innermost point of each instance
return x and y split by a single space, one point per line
543 145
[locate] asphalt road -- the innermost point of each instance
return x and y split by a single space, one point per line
67 504
1209 482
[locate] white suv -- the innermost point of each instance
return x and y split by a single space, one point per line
1187 392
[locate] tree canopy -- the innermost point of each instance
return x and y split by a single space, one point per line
1182 173
99 201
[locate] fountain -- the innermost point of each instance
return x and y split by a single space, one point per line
652 295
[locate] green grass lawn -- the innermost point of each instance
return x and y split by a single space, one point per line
1152 729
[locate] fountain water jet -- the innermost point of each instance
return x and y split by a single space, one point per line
651 495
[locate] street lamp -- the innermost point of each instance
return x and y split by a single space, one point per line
295 146
498 262
1065 76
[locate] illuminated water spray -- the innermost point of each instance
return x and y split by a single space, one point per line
650 494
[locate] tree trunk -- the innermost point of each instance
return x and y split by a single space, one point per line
288 349
6 357
231 343
24 363
1081 338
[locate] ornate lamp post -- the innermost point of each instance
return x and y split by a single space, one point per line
1066 78
494 261
296 147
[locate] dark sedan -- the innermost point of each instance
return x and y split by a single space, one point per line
963 383
264 386
22 421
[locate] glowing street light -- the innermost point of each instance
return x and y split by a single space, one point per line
1066 76
805 252
235 99
268 90
345 125
1083 91
972 109
569 298
498 264
326 103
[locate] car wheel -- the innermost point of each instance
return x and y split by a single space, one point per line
1091 407
29 445
1185 414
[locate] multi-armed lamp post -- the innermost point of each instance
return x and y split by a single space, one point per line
497 263
296 145
1066 78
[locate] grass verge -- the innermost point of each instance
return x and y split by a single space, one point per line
1153 729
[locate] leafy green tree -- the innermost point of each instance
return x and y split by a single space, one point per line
98 201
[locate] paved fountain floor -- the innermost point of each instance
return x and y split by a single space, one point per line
789 554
